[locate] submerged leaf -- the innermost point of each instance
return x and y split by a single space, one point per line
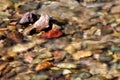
52 34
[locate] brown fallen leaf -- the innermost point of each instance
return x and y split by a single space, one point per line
43 65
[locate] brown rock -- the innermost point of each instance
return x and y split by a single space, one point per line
115 9
9 56
10 74
117 29
27 30
3 29
8 68
3 66
70 49
4 4
58 56
15 37
81 54
28 58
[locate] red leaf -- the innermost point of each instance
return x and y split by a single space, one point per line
52 34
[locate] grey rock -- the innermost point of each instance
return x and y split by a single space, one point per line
105 58
80 76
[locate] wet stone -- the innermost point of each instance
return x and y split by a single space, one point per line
66 71
106 30
115 49
38 77
105 58
15 37
10 74
80 76
4 5
67 65
77 35
44 53
116 65
27 6
115 9
72 4
71 29
70 49
56 10
20 69
28 18
97 78
81 54
58 55
42 22
56 44
62 40
56 74
3 66
117 28
20 76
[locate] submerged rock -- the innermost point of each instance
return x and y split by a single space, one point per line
80 76
81 54
42 22
67 65
28 18
115 9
